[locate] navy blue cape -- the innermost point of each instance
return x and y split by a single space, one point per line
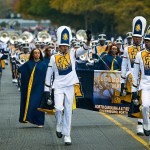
33 115
107 62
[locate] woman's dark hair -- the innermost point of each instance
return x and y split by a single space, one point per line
108 48
113 44
32 52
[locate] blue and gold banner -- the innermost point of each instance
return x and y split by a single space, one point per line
106 92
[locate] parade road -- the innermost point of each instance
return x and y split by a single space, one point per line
91 130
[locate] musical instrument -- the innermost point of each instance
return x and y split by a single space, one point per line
26 37
4 36
14 37
81 35
22 61
44 37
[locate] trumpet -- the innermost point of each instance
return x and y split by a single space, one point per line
22 61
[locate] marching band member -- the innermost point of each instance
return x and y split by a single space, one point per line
142 67
100 47
76 45
13 56
5 62
119 43
63 66
15 61
48 53
129 38
138 27
37 44
107 42
42 47
23 57
2 57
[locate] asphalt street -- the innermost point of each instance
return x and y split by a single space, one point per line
90 130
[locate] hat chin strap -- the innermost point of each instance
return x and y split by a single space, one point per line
61 53
136 45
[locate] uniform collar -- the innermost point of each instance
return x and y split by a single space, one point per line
62 54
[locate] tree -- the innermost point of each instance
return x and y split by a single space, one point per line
111 17
77 7
37 10
4 8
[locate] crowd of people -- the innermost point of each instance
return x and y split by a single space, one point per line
41 65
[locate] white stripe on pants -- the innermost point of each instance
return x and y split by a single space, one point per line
145 106
64 100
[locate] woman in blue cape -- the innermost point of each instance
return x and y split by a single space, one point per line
33 74
111 61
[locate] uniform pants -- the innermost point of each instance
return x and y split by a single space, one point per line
63 101
129 87
145 106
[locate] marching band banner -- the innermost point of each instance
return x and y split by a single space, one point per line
106 92
86 78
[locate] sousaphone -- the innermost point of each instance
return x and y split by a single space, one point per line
44 37
26 37
14 37
4 36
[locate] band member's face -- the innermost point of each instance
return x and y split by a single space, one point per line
42 46
49 52
26 50
119 45
64 48
102 42
15 45
114 50
129 40
137 40
37 46
36 54
147 44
